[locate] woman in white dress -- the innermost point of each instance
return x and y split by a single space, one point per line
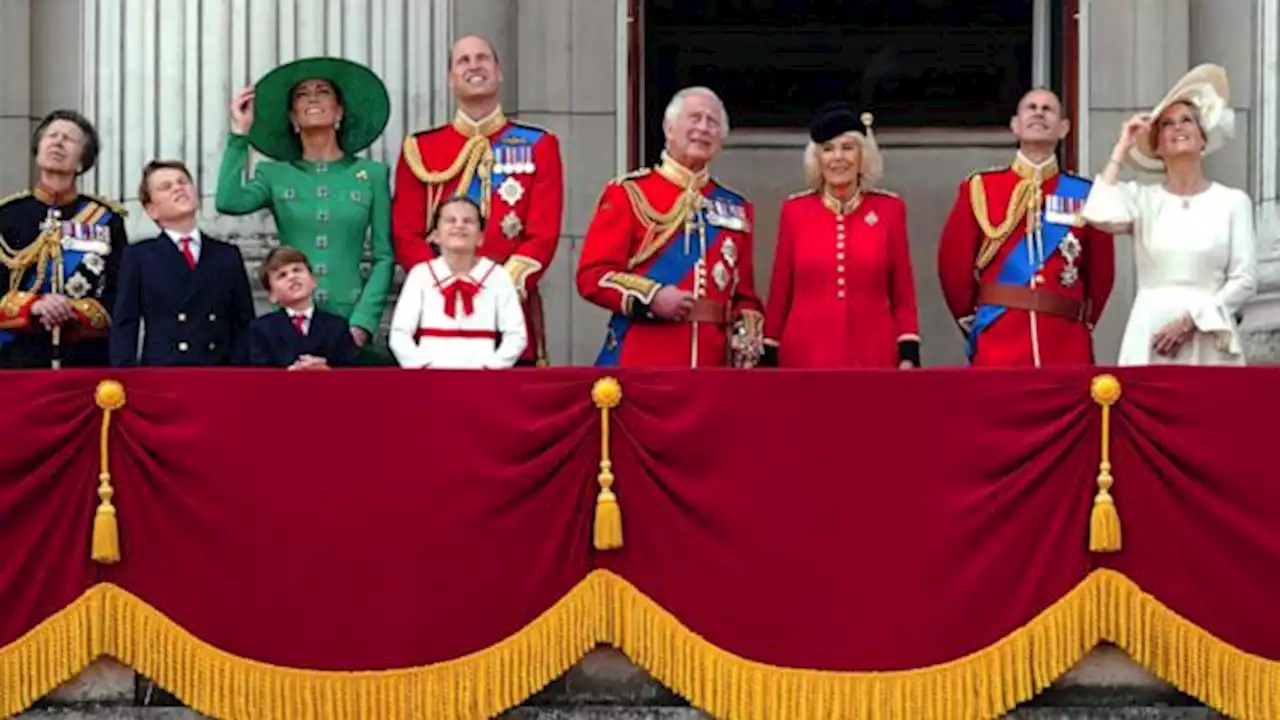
458 311
1194 238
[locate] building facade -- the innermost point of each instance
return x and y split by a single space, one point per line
157 77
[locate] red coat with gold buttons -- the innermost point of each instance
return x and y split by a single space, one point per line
669 227
842 293
514 172
1025 298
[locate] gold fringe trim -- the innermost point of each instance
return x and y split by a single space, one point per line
1105 606
988 683
108 620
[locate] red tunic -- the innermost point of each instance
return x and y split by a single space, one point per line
1041 316
630 252
842 293
514 171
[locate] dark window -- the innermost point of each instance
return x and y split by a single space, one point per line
913 63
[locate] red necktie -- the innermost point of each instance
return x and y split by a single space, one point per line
464 289
299 322
186 251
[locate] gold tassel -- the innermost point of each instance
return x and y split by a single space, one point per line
106 530
1104 520
606 393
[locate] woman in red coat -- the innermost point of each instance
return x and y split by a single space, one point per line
842 294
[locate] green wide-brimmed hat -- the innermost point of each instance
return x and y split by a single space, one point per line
365 102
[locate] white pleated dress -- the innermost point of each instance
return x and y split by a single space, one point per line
436 326
1195 257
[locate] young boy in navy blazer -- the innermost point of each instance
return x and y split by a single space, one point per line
298 336
189 291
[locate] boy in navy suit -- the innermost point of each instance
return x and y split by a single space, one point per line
190 291
298 336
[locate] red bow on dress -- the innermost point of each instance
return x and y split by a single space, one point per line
460 288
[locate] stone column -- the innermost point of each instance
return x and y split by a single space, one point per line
567 67
1261 327
15 95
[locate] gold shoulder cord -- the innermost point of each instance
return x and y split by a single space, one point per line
47 247
1025 198
476 158
659 227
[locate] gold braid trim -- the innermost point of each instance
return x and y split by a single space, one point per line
10 307
1025 197
605 608
659 227
476 158
97 315
520 267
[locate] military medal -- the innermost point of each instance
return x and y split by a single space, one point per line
730 252
1070 249
501 156
94 263
77 287
721 275
871 218
511 191
1059 210
511 225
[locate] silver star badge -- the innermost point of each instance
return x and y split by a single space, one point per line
511 225
511 190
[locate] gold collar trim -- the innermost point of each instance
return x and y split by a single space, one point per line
55 199
682 176
479 128
1031 171
835 205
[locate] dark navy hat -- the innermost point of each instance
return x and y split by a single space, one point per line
835 119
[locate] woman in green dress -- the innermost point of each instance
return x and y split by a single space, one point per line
311 117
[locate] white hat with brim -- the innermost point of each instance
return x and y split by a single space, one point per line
1206 88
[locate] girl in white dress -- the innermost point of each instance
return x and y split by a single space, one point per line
1196 260
458 311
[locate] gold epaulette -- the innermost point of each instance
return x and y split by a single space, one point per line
532 126
985 171
802 193
633 175
111 205
428 131
722 186
882 191
15 196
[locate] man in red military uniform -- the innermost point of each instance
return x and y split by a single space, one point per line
1021 272
669 253
511 169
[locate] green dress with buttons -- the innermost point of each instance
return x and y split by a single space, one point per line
326 210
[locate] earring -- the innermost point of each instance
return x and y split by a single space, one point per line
295 128
337 124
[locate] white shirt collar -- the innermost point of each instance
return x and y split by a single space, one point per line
311 309
176 237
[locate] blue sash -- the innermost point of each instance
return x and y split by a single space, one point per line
1018 268
671 265
516 137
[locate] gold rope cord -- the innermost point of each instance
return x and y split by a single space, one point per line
1024 199
659 226
475 159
